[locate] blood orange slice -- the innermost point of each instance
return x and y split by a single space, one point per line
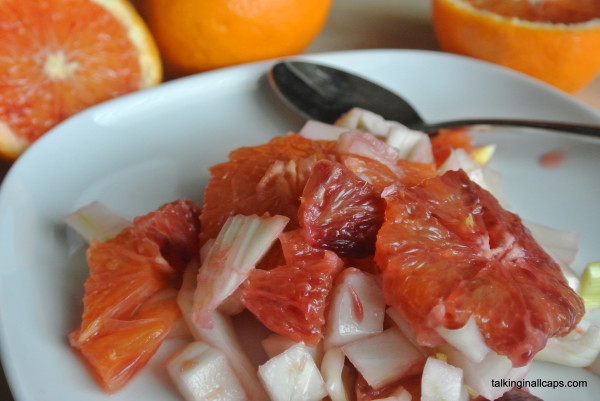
58 57
449 251
266 178
292 299
121 325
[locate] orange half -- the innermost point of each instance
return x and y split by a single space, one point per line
556 41
58 57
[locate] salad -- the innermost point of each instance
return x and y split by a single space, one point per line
380 264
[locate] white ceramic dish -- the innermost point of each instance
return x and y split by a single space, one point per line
142 150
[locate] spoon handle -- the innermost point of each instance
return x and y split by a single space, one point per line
583 129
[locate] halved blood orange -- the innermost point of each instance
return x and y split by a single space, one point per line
449 251
553 40
58 57
122 326
260 179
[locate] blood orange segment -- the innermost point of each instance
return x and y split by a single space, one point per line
162 303
131 344
273 258
378 162
122 347
266 178
292 299
407 172
174 229
449 251
120 280
58 57
296 250
371 171
122 325
339 211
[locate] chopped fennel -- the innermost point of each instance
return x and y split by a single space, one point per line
275 344
318 130
334 372
356 308
366 121
442 382
579 348
402 325
384 357
479 375
203 373
411 145
221 336
293 376
467 339
240 244
96 221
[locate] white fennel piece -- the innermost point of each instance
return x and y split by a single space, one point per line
293 376
203 373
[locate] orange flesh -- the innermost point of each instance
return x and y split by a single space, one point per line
554 11
449 251
70 56
124 321
240 185
571 50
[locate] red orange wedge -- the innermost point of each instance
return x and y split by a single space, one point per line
123 323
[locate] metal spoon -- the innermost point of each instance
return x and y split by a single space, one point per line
324 93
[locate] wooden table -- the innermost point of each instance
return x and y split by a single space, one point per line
360 24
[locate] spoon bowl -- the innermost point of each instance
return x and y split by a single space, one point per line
324 93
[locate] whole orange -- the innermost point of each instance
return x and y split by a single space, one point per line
557 41
201 35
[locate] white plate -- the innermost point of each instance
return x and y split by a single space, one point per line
151 147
